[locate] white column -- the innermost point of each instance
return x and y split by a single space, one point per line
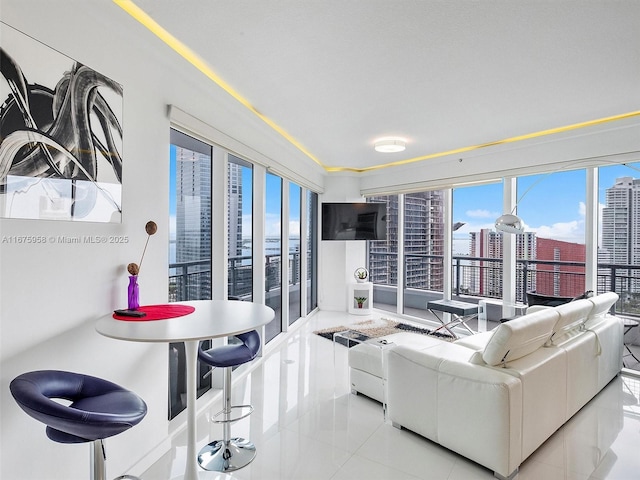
447 260
591 231
284 256
509 204
304 267
191 358
400 273
219 225
259 200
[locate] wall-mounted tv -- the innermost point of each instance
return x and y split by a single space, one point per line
354 221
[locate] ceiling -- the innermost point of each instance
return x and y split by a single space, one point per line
335 76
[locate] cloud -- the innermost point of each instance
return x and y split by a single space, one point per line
474 227
172 227
565 231
247 225
481 214
294 227
272 225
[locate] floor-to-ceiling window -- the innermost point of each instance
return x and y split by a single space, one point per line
551 253
312 250
273 252
240 228
619 235
190 246
383 258
423 246
476 242
294 259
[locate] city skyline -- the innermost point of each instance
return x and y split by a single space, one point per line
550 205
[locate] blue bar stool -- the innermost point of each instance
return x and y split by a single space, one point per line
229 454
98 409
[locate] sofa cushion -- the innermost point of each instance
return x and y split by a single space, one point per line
602 303
520 337
572 316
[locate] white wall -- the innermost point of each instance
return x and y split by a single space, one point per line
339 259
51 294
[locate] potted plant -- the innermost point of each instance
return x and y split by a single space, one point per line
360 301
361 274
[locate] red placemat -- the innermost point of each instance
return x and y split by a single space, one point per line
158 312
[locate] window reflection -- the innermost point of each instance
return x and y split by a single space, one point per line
294 260
240 228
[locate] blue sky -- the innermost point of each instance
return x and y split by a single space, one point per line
552 205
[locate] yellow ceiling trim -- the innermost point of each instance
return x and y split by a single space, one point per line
518 138
195 60
190 56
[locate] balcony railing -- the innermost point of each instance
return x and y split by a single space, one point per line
192 280
482 277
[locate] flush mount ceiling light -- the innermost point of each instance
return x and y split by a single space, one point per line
390 145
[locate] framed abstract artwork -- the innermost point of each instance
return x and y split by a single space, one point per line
60 135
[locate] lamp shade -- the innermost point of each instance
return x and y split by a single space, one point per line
509 223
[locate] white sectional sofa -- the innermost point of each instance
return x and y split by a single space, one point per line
495 397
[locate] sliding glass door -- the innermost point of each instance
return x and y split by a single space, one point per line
295 264
273 253
190 244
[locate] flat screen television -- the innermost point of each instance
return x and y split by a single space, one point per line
354 221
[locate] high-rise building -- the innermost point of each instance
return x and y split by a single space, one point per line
423 241
234 211
484 277
193 220
621 230
383 258
560 279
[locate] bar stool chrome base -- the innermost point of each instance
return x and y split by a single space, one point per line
221 456
229 454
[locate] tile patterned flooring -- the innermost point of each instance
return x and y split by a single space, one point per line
307 426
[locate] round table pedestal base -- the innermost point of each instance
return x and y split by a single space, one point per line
219 456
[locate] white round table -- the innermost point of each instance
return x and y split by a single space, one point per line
210 319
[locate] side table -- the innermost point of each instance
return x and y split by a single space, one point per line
360 298
461 312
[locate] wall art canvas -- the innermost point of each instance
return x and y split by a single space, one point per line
60 135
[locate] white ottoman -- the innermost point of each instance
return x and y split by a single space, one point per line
365 361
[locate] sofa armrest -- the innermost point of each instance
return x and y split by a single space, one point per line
471 409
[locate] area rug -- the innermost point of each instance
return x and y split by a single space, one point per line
377 328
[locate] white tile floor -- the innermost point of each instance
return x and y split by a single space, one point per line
306 425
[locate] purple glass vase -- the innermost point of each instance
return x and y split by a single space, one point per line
133 291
